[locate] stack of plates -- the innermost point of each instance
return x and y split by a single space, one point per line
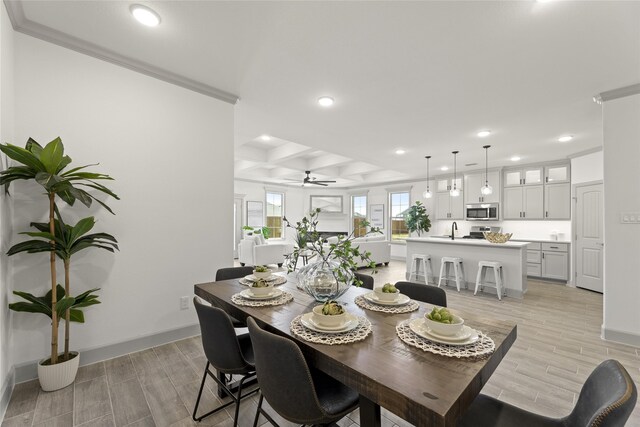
466 336
248 294
253 278
372 297
350 323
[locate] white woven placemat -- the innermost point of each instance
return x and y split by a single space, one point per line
481 348
277 282
362 302
358 333
282 299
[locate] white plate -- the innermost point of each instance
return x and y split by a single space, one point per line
275 293
307 322
464 334
418 326
402 299
253 278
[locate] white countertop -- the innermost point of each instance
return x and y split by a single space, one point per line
520 239
469 242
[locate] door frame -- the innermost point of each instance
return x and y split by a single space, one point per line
574 229
239 224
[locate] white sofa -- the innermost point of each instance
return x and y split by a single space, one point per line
256 250
377 244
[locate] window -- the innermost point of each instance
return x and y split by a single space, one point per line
358 214
275 212
399 203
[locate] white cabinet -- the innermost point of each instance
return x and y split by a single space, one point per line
448 207
523 202
557 174
524 176
446 184
557 201
555 265
474 182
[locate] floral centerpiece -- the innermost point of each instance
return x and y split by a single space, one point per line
333 273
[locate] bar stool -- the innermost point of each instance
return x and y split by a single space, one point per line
425 261
497 274
458 269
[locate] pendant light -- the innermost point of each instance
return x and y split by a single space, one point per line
454 191
427 194
486 188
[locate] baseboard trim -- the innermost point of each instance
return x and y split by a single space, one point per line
398 258
620 337
29 370
7 389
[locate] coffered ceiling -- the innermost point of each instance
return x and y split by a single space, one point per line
421 76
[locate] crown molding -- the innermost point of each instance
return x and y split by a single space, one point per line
23 25
585 152
617 93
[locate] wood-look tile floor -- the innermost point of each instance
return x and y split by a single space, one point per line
558 346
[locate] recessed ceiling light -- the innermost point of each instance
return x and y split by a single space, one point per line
484 133
444 168
565 138
326 101
400 151
145 15
265 137
515 159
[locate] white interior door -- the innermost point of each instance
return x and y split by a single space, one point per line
589 237
237 225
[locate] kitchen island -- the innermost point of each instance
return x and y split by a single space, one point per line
512 256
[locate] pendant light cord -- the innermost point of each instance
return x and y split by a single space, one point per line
455 155
486 165
427 157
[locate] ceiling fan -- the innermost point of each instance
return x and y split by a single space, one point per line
312 180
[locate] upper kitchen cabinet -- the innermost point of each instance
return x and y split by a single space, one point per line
448 207
557 201
474 182
446 184
557 174
523 176
523 202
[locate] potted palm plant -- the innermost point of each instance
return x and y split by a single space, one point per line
48 167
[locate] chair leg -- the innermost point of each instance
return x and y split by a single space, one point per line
441 270
424 269
263 412
457 272
478 277
498 274
204 378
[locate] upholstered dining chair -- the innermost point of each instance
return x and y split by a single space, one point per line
226 352
606 400
296 392
367 281
425 293
229 273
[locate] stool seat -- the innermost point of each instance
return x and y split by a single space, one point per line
458 269
418 260
497 274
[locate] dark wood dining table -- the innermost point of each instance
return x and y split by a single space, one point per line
422 388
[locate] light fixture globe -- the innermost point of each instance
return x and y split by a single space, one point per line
486 190
454 192
427 194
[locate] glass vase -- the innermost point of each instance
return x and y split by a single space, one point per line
323 281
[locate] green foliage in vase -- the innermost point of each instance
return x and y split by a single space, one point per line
343 252
417 219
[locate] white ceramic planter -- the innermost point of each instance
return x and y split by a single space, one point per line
60 375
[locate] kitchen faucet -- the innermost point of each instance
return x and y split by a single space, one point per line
454 225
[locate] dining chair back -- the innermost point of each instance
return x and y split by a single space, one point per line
425 293
227 352
606 400
367 281
229 273
296 392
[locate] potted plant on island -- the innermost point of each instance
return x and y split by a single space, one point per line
417 219
47 166
330 276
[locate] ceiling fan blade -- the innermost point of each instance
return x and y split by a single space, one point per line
322 181
317 183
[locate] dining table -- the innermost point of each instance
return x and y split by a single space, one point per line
421 387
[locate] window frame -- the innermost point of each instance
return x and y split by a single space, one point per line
391 217
282 215
352 212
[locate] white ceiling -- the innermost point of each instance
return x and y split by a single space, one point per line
422 76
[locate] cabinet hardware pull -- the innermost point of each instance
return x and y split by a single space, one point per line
546 214
553 247
524 214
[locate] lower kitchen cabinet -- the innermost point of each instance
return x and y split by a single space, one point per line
555 265
548 260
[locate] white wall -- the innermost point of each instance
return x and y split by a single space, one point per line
170 151
587 168
6 134
622 194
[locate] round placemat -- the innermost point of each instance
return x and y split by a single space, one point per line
358 333
481 348
362 302
282 299
277 282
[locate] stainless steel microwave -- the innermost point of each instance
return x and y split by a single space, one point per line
481 212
